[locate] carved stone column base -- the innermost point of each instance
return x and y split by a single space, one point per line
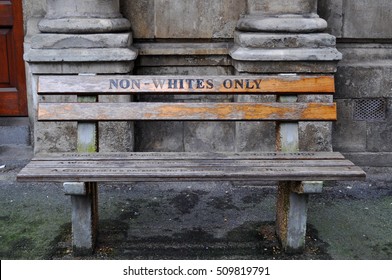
84 25
282 23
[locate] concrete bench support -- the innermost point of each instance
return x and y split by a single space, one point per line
292 207
291 217
84 203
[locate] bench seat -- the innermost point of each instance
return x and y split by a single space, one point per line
148 167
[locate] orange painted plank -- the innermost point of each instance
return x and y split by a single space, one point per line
284 84
187 111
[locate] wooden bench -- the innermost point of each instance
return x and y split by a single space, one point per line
298 172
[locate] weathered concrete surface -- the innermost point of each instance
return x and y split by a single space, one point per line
212 220
282 6
292 54
86 8
349 135
362 19
366 19
315 136
64 41
364 75
278 41
357 19
14 131
204 137
33 8
90 16
255 136
83 25
282 23
180 19
80 55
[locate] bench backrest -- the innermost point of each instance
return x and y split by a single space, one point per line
280 85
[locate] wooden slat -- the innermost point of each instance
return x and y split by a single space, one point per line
185 84
154 156
191 163
119 167
187 111
223 173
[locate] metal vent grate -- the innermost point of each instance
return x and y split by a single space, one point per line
370 110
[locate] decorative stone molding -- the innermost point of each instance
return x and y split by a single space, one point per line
87 16
282 16
89 36
283 36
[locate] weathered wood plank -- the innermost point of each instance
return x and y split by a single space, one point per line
190 163
186 111
154 156
185 174
185 84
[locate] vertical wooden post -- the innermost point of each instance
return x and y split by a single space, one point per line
291 212
84 196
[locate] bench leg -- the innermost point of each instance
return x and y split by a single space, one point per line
291 217
84 199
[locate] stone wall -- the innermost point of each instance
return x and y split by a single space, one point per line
195 36
364 84
183 19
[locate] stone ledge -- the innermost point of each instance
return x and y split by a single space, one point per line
105 67
283 40
149 49
285 66
81 55
66 41
184 60
82 8
283 23
84 25
366 54
288 54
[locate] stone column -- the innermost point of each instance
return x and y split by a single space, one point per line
85 16
81 37
283 36
286 37
77 37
